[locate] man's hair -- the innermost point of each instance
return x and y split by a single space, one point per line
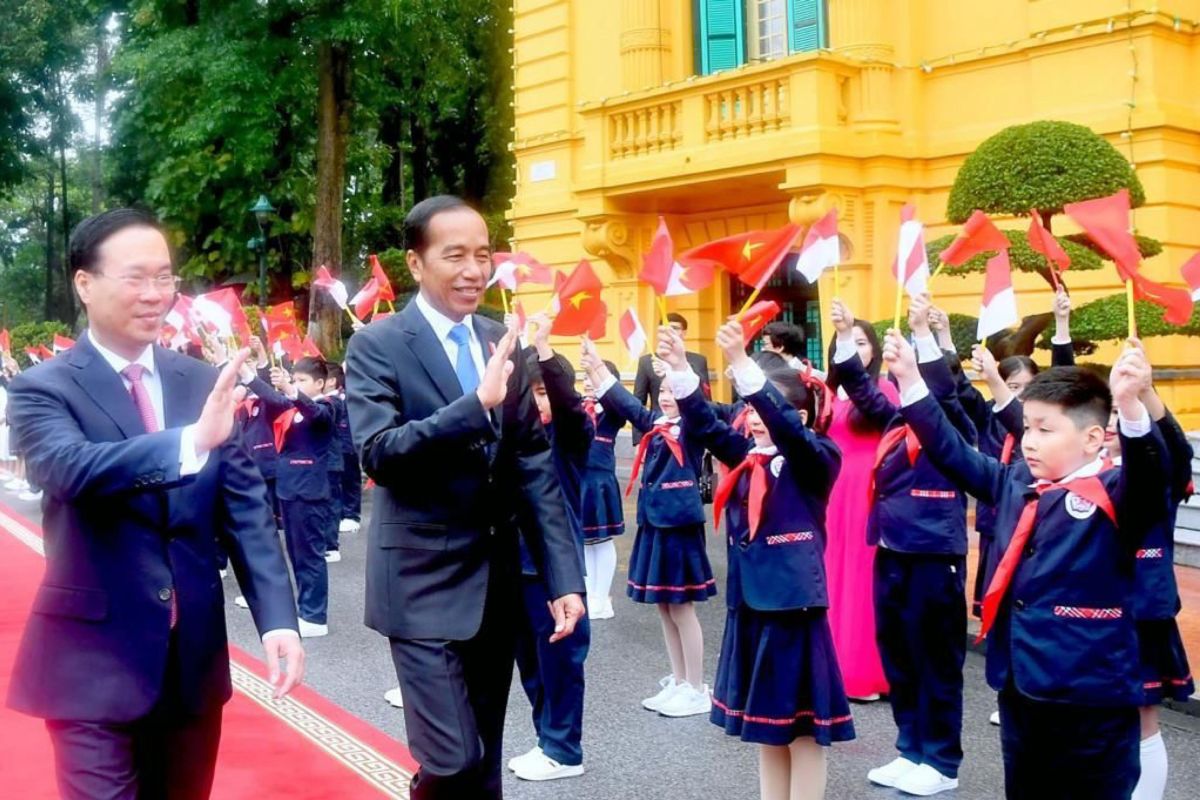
1080 393
84 245
416 223
787 337
677 317
311 366
533 367
1016 364
612 368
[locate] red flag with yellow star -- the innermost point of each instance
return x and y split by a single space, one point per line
386 292
576 302
756 318
752 256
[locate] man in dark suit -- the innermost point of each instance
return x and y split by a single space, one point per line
648 379
125 653
452 438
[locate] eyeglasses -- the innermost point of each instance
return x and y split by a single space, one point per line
164 283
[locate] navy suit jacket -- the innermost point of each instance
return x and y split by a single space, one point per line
125 534
453 483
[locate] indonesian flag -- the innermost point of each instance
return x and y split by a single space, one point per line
35 355
366 299
178 327
821 249
5 342
45 352
62 343
668 277
221 313
510 270
979 235
1106 222
756 318
752 256
632 333
576 302
911 267
336 289
1190 272
999 309
386 292
1042 241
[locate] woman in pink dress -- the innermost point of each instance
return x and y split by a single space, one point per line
849 560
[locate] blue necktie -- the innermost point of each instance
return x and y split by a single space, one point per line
464 365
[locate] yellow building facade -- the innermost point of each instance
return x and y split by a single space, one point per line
730 115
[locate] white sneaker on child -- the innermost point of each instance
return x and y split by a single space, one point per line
994 718
29 496
333 556
312 630
517 761
15 485
925 781
889 774
240 602
542 767
394 698
668 688
601 610
348 526
687 702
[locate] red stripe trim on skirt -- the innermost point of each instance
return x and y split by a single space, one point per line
824 723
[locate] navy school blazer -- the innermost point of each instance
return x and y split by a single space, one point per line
302 472
670 494
602 455
783 568
258 427
333 454
1064 632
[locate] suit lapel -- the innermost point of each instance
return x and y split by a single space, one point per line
178 402
100 382
430 354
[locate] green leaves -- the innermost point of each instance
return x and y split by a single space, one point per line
1106 320
1020 254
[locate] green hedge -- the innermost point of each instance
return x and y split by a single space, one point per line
962 331
31 334
1106 320
1022 257
1146 246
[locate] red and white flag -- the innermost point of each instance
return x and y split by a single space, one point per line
510 270
632 333
336 289
1191 274
178 328
5 342
821 248
911 267
220 313
386 292
62 343
661 270
365 300
999 309
35 355
522 322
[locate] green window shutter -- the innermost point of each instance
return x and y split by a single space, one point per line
720 35
806 25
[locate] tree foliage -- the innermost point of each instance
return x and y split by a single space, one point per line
1107 320
1022 257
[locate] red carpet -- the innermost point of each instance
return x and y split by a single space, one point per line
302 748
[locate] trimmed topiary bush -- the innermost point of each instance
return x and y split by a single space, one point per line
1106 320
1023 257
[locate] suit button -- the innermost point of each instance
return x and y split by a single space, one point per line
1020 604
491 531
164 594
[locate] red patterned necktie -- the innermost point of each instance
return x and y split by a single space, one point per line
1090 489
663 430
756 464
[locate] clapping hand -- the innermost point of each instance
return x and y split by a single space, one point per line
216 418
493 386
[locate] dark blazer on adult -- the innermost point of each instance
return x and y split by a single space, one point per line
646 384
453 482
126 535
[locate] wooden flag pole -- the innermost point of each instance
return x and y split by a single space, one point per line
750 301
1129 302
391 308
662 310
504 301
899 304
350 314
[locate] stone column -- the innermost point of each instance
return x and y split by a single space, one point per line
862 30
645 44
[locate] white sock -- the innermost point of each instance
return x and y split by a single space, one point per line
589 577
606 568
1153 783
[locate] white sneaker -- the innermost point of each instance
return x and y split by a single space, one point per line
994 718
889 774
668 688
925 781
333 556
543 768
15 485
602 611
687 702
349 526
516 761
312 630
394 698
240 602
29 496
874 697
224 574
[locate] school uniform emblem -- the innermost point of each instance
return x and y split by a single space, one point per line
675 431
298 418
1079 507
254 411
777 465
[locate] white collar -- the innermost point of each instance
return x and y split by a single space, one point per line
118 363
664 420
1086 471
764 451
440 323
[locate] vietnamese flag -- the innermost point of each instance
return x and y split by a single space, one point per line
632 333
756 318
1190 272
386 292
752 256
1106 222
999 308
309 349
5 342
510 270
668 277
1045 243
576 302
979 235
366 299
62 343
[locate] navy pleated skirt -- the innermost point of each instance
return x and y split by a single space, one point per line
670 565
1164 664
603 514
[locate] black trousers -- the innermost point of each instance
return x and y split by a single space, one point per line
351 487
455 697
921 628
167 755
1058 751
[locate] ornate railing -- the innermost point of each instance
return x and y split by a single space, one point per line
645 129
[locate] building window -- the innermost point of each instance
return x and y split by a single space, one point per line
730 33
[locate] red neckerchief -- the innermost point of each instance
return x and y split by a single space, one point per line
589 408
889 441
1006 451
663 430
280 427
756 464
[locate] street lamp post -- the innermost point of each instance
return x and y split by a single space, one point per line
262 210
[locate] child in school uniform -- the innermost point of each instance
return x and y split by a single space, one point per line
668 567
351 475
603 512
552 672
918 520
1164 672
1062 643
303 436
778 682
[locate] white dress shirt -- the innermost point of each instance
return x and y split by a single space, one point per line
442 324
